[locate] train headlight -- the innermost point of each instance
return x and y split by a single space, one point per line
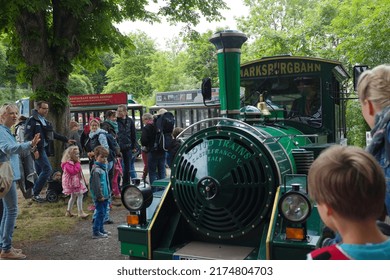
136 198
295 206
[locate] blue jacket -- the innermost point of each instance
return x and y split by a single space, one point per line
10 149
99 184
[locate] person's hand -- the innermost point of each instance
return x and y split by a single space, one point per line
76 158
90 154
71 141
36 154
36 139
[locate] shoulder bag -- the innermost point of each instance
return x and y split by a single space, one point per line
6 178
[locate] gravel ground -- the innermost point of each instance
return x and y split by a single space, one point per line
79 245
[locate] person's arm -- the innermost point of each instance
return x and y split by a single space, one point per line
95 185
103 141
63 138
71 169
29 131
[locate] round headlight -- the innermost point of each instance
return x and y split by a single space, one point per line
134 198
295 207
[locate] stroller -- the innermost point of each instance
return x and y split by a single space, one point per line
54 187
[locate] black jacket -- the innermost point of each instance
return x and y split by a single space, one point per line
126 134
148 136
47 133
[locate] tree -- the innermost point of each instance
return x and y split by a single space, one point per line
363 28
276 27
10 91
169 72
79 84
48 36
202 60
131 68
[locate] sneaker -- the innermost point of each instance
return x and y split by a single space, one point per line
38 199
116 203
106 232
17 251
83 215
11 255
99 235
108 222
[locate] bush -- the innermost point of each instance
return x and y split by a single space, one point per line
356 125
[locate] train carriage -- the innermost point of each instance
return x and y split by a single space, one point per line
238 187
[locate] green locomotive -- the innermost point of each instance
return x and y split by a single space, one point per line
238 188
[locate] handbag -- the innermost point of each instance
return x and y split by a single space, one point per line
6 178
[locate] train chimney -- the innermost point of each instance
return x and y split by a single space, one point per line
228 44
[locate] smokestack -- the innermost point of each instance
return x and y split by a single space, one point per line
228 44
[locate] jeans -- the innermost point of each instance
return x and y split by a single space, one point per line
133 173
10 212
156 166
43 167
126 159
106 216
98 222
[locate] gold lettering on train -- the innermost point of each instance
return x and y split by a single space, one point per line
218 150
280 68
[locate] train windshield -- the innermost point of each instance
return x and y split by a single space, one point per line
299 97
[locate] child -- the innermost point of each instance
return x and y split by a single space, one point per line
100 190
118 171
349 187
55 183
74 134
73 180
147 119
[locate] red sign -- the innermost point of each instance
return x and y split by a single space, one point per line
98 99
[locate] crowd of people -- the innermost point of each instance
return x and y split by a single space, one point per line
110 144
341 179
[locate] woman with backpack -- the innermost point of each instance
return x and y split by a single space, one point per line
100 137
156 138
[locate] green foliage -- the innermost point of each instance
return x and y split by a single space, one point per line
169 72
202 60
131 67
363 28
10 95
277 27
79 84
3 64
47 37
356 125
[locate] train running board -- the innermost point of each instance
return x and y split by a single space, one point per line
208 251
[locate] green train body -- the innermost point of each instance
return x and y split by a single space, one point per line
237 188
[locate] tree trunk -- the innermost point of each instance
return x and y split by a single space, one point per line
48 70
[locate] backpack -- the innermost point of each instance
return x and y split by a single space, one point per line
91 143
164 125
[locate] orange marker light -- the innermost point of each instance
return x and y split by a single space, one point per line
295 233
132 220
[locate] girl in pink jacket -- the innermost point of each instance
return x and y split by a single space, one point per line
73 182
